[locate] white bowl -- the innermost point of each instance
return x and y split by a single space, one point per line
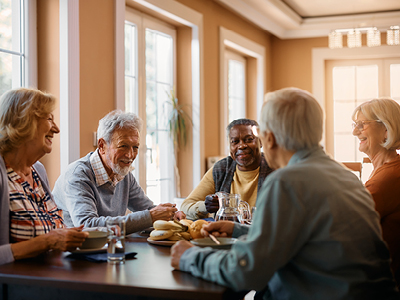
95 240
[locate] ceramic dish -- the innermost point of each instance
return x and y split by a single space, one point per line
226 243
161 242
88 251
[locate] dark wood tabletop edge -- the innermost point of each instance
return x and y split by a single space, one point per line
115 288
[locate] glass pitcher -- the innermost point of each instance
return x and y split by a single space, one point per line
232 208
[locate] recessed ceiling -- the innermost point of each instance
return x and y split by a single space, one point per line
324 8
314 18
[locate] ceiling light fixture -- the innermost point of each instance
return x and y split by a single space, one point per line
335 40
354 38
393 36
373 37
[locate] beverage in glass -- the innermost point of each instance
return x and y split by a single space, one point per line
116 241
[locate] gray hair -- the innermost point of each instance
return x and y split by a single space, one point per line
117 119
387 111
294 117
240 122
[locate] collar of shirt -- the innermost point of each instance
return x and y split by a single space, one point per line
100 172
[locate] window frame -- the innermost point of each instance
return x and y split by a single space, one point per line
232 55
143 22
321 55
185 16
231 40
28 48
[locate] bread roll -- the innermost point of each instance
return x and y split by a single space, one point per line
185 235
195 227
166 225
157 235
176 237
186 222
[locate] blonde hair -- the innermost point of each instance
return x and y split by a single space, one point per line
19 112
294 117
387 111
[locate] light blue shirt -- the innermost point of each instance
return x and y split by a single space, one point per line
315 235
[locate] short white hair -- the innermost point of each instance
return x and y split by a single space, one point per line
294 117
117 119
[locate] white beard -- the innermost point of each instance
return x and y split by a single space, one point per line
117 169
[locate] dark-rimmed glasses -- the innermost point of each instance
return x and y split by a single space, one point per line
360 124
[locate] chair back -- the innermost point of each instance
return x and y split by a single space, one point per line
356 167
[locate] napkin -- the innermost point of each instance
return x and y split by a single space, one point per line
97 257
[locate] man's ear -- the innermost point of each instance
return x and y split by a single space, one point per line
270 140
101 144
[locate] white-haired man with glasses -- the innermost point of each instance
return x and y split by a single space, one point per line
315 234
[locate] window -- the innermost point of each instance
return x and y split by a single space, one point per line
11 44
352 83
242 80
236 85
149 78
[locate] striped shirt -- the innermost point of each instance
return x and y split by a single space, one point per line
32 211
100 172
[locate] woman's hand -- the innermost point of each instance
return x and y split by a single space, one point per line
219 228
66 239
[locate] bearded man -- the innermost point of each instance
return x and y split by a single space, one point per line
101 186
243 172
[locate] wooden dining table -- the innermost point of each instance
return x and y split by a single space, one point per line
149 275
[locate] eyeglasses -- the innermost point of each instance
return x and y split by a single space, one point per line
360 124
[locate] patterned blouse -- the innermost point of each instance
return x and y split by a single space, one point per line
32 211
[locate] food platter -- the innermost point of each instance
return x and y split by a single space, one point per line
161 242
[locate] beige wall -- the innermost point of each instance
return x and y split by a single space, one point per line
96 38
49 71
291 62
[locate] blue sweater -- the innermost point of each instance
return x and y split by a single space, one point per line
84 202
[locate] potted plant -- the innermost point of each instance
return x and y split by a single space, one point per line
178 122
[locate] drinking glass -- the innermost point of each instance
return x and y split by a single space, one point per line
116 241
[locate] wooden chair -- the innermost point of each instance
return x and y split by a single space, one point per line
354 166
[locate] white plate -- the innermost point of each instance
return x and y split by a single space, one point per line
226 243
87 251
161 242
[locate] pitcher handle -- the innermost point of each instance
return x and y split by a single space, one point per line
244 210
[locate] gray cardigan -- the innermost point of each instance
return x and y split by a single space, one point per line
6 255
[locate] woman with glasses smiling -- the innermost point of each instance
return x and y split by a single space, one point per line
377 126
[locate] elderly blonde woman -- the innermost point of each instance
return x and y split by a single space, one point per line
30 222
377 126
